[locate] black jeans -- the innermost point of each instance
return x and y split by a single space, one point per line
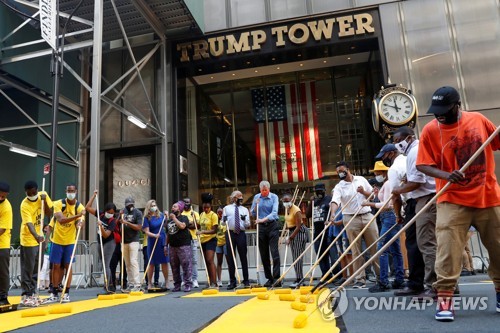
239 242
269 235
115 260
4 273
416 263
29 269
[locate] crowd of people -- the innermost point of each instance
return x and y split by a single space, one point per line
407 176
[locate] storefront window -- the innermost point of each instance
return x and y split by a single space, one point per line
288 128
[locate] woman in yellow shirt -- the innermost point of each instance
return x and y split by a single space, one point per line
298 235
207 231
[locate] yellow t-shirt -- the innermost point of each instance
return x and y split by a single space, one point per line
190 218
290 217
65 234
221 234
207 221
31 213
5 223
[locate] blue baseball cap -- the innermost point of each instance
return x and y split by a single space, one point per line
385 149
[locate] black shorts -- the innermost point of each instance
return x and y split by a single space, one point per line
210 245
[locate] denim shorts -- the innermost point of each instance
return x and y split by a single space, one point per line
61 254
221 249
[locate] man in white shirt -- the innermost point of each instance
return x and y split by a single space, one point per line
422 188
359 188
237 219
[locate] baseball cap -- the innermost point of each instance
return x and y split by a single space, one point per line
319 187
4 187
379 166
443 99
385 149
129 201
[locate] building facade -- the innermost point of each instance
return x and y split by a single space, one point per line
269 89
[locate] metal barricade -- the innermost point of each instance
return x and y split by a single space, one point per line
480 257
81 265
15 267
96 265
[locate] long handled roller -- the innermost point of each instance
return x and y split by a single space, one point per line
302 320
42 216
68 272
210 290
140 293
102 247
303 253
232 252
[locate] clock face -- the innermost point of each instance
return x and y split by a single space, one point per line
396 108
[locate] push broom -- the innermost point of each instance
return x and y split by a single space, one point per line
109 294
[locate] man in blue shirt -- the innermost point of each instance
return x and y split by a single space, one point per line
269 232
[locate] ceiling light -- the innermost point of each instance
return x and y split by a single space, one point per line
199 69
23 151
248 62
223 66
348 58
211 77
227 180
256 71
324 61
301 65
277 68
136 122
273 58
299 55
233 74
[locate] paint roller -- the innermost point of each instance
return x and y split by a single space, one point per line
60 309
120 296
298 306
264 297
283 291
300 321
38 312
243 291
259 290
136 293
109 297
209 291
287 298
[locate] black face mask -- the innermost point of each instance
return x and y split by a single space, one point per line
239 202
320 194
387 162
342 175
187 206
451 116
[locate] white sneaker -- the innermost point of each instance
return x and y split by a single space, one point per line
219 283
52 299
29 301
65 298
182 284
195 284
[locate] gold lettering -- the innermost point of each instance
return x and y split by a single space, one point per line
279 31
183 47
345 26
364 23
216 46
259 37
242 45
298 40
319 28
200 48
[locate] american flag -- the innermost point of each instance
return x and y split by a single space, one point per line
282 150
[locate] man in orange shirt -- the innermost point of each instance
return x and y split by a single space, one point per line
446 144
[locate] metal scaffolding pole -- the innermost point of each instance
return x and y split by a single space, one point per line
95 107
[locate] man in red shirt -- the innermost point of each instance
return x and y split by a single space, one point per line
446 144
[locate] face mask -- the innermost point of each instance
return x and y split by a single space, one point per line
108 215
33 198
153 209
187 206
287 204
320 194
239 202
380 178
387 162
402 146
342 175
71 196
131 208
451 116
264 193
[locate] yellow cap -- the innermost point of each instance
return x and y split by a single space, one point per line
379 166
